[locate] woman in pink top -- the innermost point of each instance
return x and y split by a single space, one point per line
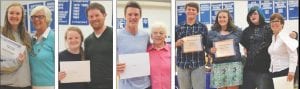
160 58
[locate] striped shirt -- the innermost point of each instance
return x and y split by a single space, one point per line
193 59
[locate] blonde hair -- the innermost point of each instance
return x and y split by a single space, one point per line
46 10
22 31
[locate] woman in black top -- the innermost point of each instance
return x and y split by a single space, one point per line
74 52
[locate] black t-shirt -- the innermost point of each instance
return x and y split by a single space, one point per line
67 56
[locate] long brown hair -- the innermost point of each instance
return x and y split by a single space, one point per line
76 29
21 30
230 25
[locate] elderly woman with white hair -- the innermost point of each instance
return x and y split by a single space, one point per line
42 54
160 58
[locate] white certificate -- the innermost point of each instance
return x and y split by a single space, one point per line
10 49
282 83
225 48
291 43
76 71
192 43
137 65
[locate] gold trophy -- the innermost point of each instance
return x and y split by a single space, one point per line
208 63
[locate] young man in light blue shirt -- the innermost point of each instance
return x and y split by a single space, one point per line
136 41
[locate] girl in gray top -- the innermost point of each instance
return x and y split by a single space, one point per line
15 73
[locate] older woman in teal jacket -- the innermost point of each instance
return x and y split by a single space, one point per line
42 55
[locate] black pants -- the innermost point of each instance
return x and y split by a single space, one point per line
297 74
257 80
9 87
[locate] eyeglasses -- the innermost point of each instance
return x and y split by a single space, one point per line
275 21
38 17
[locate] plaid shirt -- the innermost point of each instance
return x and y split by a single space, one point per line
194 59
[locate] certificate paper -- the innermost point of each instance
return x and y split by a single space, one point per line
137 65
282 83
10 49
291 43
224 48
76 71
192 43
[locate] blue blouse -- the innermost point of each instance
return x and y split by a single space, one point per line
214 36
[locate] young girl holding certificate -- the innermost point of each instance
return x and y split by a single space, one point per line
226 69
15 73
74 52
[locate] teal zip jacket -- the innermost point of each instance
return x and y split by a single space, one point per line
42 60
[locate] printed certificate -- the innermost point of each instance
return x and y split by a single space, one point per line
10 49
192 43
225 48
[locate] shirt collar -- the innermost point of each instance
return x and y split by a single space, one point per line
128 33
165 48
185 23
45 34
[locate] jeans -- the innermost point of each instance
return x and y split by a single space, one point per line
257 80
191 78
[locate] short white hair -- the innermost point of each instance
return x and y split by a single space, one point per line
159 25
46 10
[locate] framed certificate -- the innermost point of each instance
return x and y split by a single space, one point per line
225 48
192 43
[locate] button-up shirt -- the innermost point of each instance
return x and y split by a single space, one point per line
160 67
282 57
193 59
44 35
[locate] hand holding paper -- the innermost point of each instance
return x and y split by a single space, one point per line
224 48
282 83
120 68
22 57
292 44
192 43
137 65
76 71
11 49
61 75
179 43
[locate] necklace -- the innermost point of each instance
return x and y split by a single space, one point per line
37 46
